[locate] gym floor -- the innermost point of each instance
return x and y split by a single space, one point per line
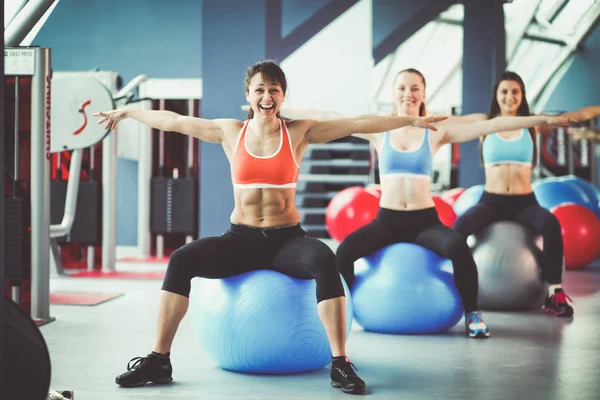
529 355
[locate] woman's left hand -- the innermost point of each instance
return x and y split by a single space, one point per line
427 122
560 121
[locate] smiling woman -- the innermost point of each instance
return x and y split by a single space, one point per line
261 79
264 153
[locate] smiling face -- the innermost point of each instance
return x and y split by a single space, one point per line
509 97
264 95
409 93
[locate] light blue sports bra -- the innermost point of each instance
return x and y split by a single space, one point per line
496 150
400 162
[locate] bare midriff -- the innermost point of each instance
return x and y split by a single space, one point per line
508 179
265 208
405 193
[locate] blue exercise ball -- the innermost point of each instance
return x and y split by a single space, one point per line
405 288
468 199
552 193
588 188
262 322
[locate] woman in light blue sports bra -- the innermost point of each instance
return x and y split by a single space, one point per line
407 212
508 157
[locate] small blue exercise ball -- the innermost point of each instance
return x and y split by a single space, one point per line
552 193
262 322
468 199
405 288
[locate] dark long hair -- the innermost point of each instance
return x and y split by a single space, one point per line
270 72
522 111
422 109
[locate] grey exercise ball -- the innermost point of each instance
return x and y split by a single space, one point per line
508 262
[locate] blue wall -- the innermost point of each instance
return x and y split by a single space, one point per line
580 86
294 13
389 14
130 37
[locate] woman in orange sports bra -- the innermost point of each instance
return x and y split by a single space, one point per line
264 153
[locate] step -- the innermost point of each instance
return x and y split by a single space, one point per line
318 195
321 187
336 163
312 203
335 170
312 216
358 178
311 210
314 200
316 231
313 219
323 154
339 146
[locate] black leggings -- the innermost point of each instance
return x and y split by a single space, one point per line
525 210
421 227
288 250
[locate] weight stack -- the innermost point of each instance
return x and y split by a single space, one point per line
14 240
174 205
87 226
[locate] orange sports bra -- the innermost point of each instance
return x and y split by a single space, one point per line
279 170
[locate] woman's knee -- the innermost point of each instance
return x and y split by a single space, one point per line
551 228
179 271
320 256
457 248
463 224
322 260
345 252
551 224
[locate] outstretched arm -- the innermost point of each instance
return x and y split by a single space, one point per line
305 113
465 119
203 129
583 114
456 133
326 131
583 133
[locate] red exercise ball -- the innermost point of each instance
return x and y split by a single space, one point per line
580 232
349 210
445 211
452 195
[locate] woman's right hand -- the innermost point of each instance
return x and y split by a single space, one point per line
111 118
556 121
427 122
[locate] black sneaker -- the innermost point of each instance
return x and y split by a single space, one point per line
141 370
344 377
557 304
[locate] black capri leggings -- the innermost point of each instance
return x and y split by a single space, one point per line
288 250
421 227
525 210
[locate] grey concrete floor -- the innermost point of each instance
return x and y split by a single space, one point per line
529 356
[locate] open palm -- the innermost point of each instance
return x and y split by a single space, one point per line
111 118
427 122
